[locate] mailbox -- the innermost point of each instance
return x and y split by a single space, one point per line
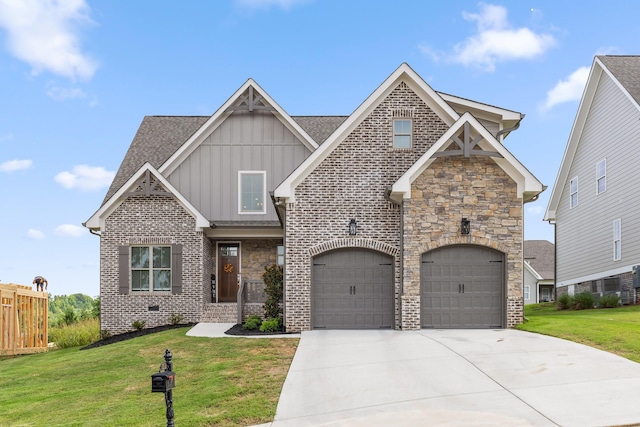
162 382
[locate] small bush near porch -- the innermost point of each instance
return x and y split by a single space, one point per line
616 330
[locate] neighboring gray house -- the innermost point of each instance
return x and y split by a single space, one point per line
539 283
593 204
407 214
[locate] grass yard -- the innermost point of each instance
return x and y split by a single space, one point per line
219 382
616 330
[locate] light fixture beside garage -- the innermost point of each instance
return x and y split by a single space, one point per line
353 227
465 226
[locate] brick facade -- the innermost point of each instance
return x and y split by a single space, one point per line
351 183
151 220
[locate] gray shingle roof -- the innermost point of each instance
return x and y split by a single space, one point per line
158 137
626 70
541 256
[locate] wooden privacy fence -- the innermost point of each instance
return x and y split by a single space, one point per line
23 320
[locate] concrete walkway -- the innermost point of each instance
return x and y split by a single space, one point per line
455 378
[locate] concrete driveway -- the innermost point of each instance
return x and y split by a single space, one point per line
455 378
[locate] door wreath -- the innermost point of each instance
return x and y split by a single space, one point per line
228 268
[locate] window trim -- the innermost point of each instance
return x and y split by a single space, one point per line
151 269
572 193
602 177
280 255
527 292
410 134
617 239
264 192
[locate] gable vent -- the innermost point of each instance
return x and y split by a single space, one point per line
403 112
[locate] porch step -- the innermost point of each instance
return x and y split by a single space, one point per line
220 313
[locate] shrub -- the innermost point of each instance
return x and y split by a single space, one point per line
252 322
583 301
139 325
78 334
564 302
69 317
270 325
609 301
104 334
273 288
176 318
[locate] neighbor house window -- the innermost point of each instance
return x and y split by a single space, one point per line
401 133
617 239
601 176
252 192
527 292
573 192
280 255
150 268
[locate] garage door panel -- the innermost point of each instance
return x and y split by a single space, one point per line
352 289
462 287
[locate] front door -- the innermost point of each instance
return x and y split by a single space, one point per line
228 264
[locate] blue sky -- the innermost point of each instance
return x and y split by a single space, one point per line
78 76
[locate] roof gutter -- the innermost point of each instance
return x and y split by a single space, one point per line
508 130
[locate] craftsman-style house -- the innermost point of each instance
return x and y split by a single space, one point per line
407 214
593 203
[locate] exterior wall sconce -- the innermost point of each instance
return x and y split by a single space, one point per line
353 227
465 226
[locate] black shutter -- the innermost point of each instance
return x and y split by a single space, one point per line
123 269
176 269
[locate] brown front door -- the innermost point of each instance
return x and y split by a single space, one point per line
228 264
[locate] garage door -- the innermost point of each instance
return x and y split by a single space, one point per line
462 287
352 289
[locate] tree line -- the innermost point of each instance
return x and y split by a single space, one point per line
68 309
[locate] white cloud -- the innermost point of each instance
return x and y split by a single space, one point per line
62 93
69 230
496 41
265 4
44 33
15 165
84 177
35 234
569 89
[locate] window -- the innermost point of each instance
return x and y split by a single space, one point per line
601 176
150 268
573 192
527 292
280 255
251 192
617 239
401 133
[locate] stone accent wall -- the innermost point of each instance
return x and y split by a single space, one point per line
351 183
156 220
475 188
256 255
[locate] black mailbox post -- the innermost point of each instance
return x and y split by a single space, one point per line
164 382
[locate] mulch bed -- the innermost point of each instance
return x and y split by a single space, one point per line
237 330
133 334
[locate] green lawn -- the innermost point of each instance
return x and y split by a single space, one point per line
616 330
219 382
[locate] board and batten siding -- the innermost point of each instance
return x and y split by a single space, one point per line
245 141
584 234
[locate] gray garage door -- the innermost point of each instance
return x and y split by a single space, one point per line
352 289
462 287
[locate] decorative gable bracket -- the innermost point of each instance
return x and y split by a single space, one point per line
466 145
148 185
250 102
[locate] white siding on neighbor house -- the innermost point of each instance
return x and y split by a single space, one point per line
531 281
584 234
245 141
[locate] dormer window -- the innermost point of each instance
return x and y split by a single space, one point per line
401 133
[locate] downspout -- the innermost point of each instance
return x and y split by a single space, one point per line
503 131
282 216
